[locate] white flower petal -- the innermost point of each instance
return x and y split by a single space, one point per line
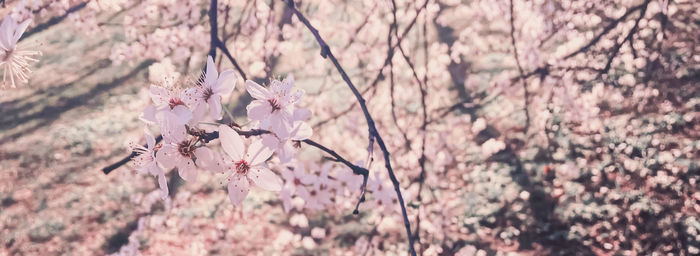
19 30
150 141
231 142
286 152
205 157
302 131
187 170
159 95
211 75
301 114
259 110
167 156
238 189
163 184
265 179
257 91
183 114
257 153
226 82
215 107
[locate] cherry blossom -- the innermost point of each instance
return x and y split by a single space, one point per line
274 106
286 147
146 162
246 166
179 151
208 91
167 100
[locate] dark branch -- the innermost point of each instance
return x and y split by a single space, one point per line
223 48
373 133
616 48
607 29
520 67
126 159
213 24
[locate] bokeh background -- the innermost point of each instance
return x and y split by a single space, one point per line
550 127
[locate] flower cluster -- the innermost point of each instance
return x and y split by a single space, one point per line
180 111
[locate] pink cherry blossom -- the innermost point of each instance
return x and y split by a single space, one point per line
209 91
145 162
286 147
179 151
274 106
167 100
246 166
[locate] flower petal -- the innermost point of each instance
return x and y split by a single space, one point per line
159 95
257 153
231 142
215 107
265 179
301 131
167 156
183 114
150 141
238 189
187 170
170 127
301 114
205 157
211 75
259 110
286 152
19 30
257 91
226 82
163 184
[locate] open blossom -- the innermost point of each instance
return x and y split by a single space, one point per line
13 59
145 162
286 147
209 91
274 106
179 151
247 166
167 100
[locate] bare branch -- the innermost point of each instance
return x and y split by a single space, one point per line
520 67
373 133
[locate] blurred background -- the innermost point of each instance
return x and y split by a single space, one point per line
515 127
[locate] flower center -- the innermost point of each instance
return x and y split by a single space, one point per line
6 55
242 167
208 92
175 102
275 105
186 149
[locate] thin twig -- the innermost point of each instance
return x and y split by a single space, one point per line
520 67
373 133
126 159
616 48
607 29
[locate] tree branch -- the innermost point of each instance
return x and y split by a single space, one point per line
520 67
373 133
607 29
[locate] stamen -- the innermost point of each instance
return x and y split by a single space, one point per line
275 105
